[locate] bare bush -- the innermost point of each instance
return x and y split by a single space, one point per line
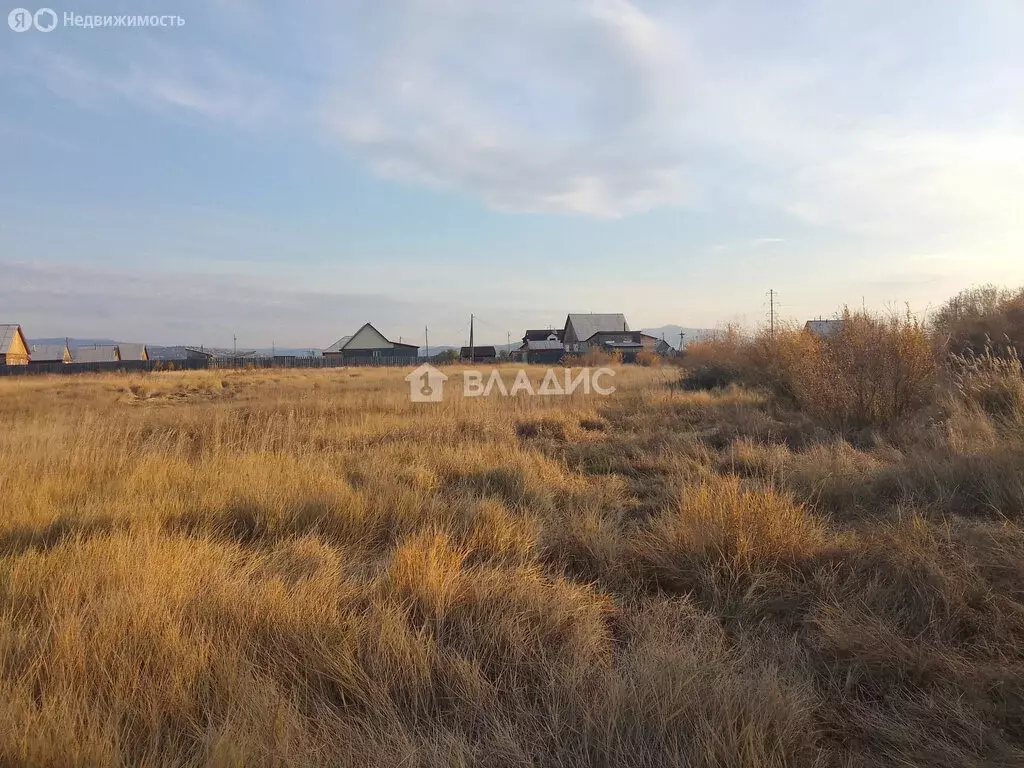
648 358
985 319
593 357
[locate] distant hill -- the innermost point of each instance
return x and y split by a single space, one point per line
671 334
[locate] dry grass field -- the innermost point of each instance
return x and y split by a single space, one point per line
304 568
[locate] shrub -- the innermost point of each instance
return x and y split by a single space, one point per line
717 361
648 358
875 371
592 357
982 320
446 356
706 377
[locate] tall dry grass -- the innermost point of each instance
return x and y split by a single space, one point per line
874 372
303 568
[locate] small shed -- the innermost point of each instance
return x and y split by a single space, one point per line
50 353
483 354
13 347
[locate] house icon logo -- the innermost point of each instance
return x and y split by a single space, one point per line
426 384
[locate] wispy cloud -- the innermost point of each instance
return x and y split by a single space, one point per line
195 83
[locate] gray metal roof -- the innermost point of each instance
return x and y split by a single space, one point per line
336 346
824 328
587 324
42 353
7 336
167 353
133 351
98 353
544 344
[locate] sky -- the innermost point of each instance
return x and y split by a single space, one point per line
284 173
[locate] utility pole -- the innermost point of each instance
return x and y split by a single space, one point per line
234 339
508 342
471 351
771 312
426 340
681 335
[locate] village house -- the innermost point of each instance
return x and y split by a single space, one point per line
13 347
542 346
132 352
368 345
584 331
607 332
95 353
663 348
50 353
178 353
479 354
823 329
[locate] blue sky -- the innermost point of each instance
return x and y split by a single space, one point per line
288 174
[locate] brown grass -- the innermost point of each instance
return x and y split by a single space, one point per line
303 568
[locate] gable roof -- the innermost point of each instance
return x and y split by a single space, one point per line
359 339
7 333
338 345
585 325
132 351
96 353
544 344
43 353
541 334
824 328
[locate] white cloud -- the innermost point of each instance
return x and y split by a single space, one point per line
533 106
904 124
601 108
